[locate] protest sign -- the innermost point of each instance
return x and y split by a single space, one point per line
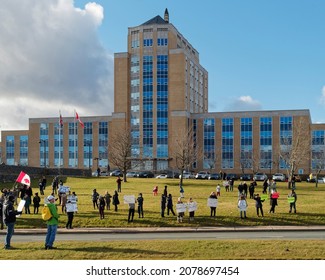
180 207
129 199
212 202
192 206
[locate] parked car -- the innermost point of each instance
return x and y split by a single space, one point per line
132 174
259 177
279 177
146 174
162 176
116 173
214 176
202 175
104 173
187 175
245 177
232 176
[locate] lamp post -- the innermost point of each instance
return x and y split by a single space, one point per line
97 159
42 141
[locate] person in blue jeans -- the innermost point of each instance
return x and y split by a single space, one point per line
9 219
52 224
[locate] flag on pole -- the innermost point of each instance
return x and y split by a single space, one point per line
23 178
78 119
61 120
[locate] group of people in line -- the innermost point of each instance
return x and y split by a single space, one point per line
68 202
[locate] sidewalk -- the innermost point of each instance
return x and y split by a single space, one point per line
168 229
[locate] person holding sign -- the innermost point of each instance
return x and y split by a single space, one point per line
242 206
258 204
9 218
292 198
273 200
192 206
212 203
180 209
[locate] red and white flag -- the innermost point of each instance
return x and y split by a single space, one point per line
78 119
61 120
23 178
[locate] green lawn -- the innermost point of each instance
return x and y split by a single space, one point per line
310 211
310 205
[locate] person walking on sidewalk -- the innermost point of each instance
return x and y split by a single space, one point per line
52 224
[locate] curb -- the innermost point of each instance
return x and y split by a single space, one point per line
168 229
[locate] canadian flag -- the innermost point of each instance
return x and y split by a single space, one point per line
23 178
78 119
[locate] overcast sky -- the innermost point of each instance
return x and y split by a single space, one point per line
260 55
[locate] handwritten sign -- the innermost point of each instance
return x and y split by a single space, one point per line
291 199
192 206
180 207
212 202
129 199
264 196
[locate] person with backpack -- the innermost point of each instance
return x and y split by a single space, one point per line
9 219
52 223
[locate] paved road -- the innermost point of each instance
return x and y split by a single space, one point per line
186 234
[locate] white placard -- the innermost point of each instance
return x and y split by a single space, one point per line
64 189
129 199
192 206
21 205
212 202
180 207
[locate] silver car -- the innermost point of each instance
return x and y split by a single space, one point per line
259 177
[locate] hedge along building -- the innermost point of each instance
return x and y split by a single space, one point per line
160 95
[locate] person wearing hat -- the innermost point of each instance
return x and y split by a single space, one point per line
9 219
52 224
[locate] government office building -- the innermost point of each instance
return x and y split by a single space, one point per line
160 91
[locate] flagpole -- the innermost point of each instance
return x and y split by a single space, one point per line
60 127
75 138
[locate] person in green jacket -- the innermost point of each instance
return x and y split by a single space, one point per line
52 224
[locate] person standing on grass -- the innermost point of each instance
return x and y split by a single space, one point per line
242 206
52 224
180 214
131 211
94 198
258 205
108 200
218 189
170 204
36 202
140 205
163 205
119 184
70 213
273 200
213 195
101 207
293 196
115 200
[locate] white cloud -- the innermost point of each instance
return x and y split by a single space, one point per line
51 59
243 103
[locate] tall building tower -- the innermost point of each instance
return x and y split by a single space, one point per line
158 83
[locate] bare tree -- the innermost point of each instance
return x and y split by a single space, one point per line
119 151
318 161
294 149
246 161
186 152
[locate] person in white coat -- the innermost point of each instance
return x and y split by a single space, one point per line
242 206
